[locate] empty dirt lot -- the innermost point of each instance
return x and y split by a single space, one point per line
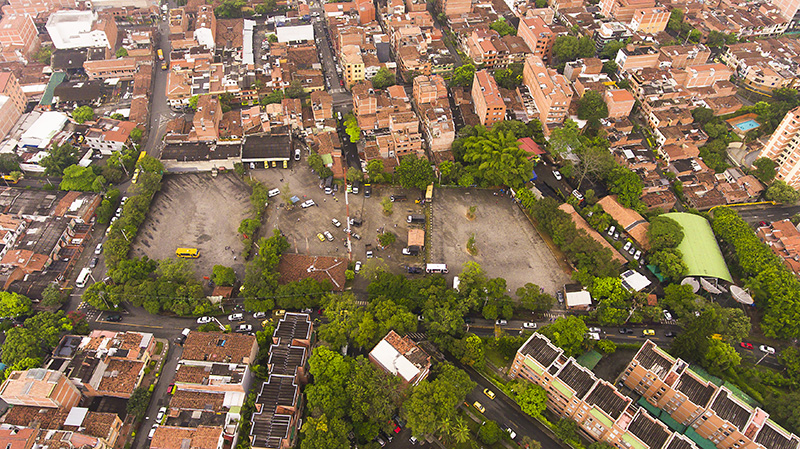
508 245
196 211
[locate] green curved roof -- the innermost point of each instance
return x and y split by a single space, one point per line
699 247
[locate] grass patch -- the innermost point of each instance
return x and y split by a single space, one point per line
159 347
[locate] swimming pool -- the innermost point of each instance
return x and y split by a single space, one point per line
747 125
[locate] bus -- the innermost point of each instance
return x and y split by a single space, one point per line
436 268
8 178
160 54
188 253
141 156
83 277
429 194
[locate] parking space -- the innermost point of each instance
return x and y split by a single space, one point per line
513 250
196 211
302 225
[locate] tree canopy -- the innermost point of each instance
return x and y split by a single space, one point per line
81 179
414 172
58 158
351 128
569 48
383 79
664 232
493 157
781 192
568 333
764 169
83 114
592 108
463 76
503 27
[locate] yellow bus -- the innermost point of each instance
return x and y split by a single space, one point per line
160 54
141 156
188 253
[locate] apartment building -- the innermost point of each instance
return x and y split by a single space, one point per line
438 126
353 65
550 90
9 86
488 103
702 75
321 105
81 29
619 102
278 406
788 7
712 412
9 114
122 68
206 119
537 35
783 147
453 8
486 47
682 56
650 20
18 37
429 89
632 58
38 387
623 10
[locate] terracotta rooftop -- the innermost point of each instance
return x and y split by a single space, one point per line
203 437
26 416
630 220
192 374
219 347
197 400
98 424
295 267
121 376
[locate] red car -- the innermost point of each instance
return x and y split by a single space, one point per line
397 428
341 82
746 345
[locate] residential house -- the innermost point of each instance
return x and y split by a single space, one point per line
401 357
537 35
550 90
39 387
108 135
629 220
489 105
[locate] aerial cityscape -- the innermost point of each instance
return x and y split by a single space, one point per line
446 224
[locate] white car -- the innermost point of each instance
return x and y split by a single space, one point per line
638 255
308 203
767 349
161 412
358 266
244 328
236 317
336 222
98 249
259 315
667 315
627 246
557 174
501 322
204 320
152 432
328 236
369 254
529 325
595 330
577 195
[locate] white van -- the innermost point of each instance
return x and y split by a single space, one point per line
274 192
83 277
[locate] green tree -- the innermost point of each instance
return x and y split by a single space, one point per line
681 300
271 98
461 431
387 205
43 55
490 432
21 365
49 327
781 192
272 38
136 135
193 101
530 443
354 175
675 20
664 232
223 275
433 402
503 27
83 114
611 49
13 305
471 350
566 138
383 79
352 129
20 343
139 401
721 356
627 185
78 178
463 76
52 296
324 432
509 78
592 107
267 7
533 298
9 162
670 262
764 169
610 67
387 238
375 170
495 157
295 89
567 333
531 398
414 172
566 429
122 52
702 115
59 158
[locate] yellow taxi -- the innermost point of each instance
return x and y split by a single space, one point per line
489 393
648 332
480 407
320 237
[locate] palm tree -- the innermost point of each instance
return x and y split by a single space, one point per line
446 428
461 430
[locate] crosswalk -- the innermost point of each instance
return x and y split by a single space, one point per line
417 336
92 314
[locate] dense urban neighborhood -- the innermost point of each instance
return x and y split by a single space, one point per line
452 224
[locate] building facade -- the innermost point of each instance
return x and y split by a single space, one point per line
783 147
489 105
550 90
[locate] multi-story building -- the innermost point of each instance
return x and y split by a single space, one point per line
122 68
109 135
788 7
610 31
783 147
650 20
702 75
633 58
682 56
429 89
623 10
455 7
487 48
9 114
619 102
81 29
352 64
39 387
321 105
9 86
489 105
18 37
206 119
550 90
537 35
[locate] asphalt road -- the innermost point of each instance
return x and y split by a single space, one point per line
160 112
767 213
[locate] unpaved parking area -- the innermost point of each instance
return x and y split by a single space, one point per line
508 245
301 226
197 211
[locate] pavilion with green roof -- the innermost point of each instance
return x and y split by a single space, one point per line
699 247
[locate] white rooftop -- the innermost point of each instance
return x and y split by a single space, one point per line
633 280
393 361
577 299
42 131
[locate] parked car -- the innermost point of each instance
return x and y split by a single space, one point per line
93 262
577 195
98 249
308 203
398 198
204 320
625 330
160 415
611 231
355 236
632 250
320 237
479 406
670 334
236 317
746 345
356 222
328 236
259 315
667 315
336 222
152 432
115 318
766 349
412 440
511 432
557 175
529 325
489 393
596 330
414 270
244 328
501 322
627 246
369 254
638 255
357 268
560 296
